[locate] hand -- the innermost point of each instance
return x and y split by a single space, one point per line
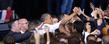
96 32
82 12
100 11
76 10
92 6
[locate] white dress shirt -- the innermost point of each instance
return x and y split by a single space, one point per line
51 28
86 34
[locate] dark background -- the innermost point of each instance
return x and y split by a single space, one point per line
33 9
30 9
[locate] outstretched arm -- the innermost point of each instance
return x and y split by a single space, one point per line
48 36
67 18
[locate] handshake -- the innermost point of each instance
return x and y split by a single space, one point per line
78 10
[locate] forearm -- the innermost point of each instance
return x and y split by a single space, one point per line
101 16
71 16
62 29
37 38
48 37
37 41
66 19
86 16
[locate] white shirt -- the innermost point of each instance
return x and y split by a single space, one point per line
52 28
3 16
86 34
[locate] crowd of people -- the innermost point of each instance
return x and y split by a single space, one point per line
75 28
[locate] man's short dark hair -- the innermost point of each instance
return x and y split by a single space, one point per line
44 16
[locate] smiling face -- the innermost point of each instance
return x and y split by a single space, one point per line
23 24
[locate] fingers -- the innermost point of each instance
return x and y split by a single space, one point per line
83 10
92 6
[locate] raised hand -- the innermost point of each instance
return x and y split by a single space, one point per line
92 6
82 11
76 10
